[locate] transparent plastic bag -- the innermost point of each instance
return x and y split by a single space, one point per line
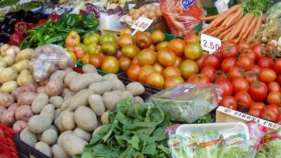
182 16
47 59
274 13
187 102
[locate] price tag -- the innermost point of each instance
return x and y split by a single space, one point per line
209 43
142 24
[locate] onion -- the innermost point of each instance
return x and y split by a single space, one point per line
274 42
3 49
12 50
279 42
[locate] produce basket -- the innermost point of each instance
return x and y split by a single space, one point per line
80 65
158 24
149 89
25 150
7 145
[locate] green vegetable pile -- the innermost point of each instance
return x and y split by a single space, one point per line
271 149
26 6
135 132
257 7
5 3
56 33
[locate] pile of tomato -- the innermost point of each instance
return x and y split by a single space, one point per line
250 76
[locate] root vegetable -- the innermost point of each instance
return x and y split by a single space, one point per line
96 131
83 81
54 87
110 77
136 88
25 54
49 111
6 99
85 119
88 68
101 87
26 98
111 100
28 137
23 113
8 118
104 118
25 77
49 137
59 152
10 60
82 134
2 109
14 106
8 74
22 65
73 144
38 124
83 96
69 77
3 64
19 125
67 119
62 136
60 74
118 85
56 101
43 148
96 103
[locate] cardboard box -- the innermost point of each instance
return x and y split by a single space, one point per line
224 114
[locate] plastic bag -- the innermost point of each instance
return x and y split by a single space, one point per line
47 59
182 16
187 102
274 13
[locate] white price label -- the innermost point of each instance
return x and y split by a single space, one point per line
142 24
209 43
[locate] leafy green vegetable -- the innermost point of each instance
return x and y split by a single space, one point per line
270 149
135 132
5 3
257 7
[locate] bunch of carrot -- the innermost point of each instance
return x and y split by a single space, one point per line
233 24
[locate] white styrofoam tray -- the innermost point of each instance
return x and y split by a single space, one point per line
226 129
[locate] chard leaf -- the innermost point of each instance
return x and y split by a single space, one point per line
129 152
158 134
102 150
135 142
108 134
98 136
150 149
120 141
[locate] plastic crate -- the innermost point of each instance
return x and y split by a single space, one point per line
25 150
148 89
80 65
7 145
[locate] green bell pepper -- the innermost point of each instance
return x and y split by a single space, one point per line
73 20
89 21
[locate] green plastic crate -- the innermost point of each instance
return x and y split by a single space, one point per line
101 72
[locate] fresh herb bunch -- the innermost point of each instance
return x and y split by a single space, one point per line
257 7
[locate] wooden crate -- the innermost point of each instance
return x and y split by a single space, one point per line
228 115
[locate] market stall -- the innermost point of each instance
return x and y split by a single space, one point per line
132 78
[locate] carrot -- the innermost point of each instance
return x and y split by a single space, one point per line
239 27
233 19
226 14
209 18
259 23
248 22
249 29
211 143
250 36
225 32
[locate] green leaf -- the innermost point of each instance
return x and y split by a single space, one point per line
150 149
158 134
135 142
128 153
98 136
102 150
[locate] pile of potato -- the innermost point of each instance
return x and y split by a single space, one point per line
71 107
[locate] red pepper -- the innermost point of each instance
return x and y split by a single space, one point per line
31 26
55 17
42 21
20 27
16 38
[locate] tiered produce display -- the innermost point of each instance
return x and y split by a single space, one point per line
74 83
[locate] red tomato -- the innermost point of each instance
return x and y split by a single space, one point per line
270 48
259 50
240 84
248 52
277 66
243 99
210 72
200 61
273 87
278 79
250 76
273 107
256 69
267 75
227 64
228 102
243 45
255 112
228 49
274 98
226 86
265 62
212 60
278 119
257 105
269 113
198 78
245 63
133 72
235 72
258 91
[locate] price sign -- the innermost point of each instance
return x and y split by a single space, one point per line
142 24
209 43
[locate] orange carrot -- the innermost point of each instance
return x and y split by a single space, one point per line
249 29
209 18
247 23
239 27
226 14
259 23
233 19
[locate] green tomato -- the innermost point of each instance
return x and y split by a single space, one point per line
91 49
108 38
92 38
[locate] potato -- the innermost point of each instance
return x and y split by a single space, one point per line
8 74
138 99
28 137
3 64
8 118
89 68
49 137
69 95
104 118
6 99
39 102
59 152
49 111
56 101
110 77
118 92
2 68
25 54
38 123
111 100
96 103
82 134
83 81
101 87
2 109
41 89
25 77
19 125
60 74
65 104
62 136
69 77
83 96
22 65
96 131
30 87
136 88
26 98
23 113
85 118
127 94
68 69
118 85
43 148
14 106
67 119
10 60
57 112
73 144
64 62
9 86
65 91
54 87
